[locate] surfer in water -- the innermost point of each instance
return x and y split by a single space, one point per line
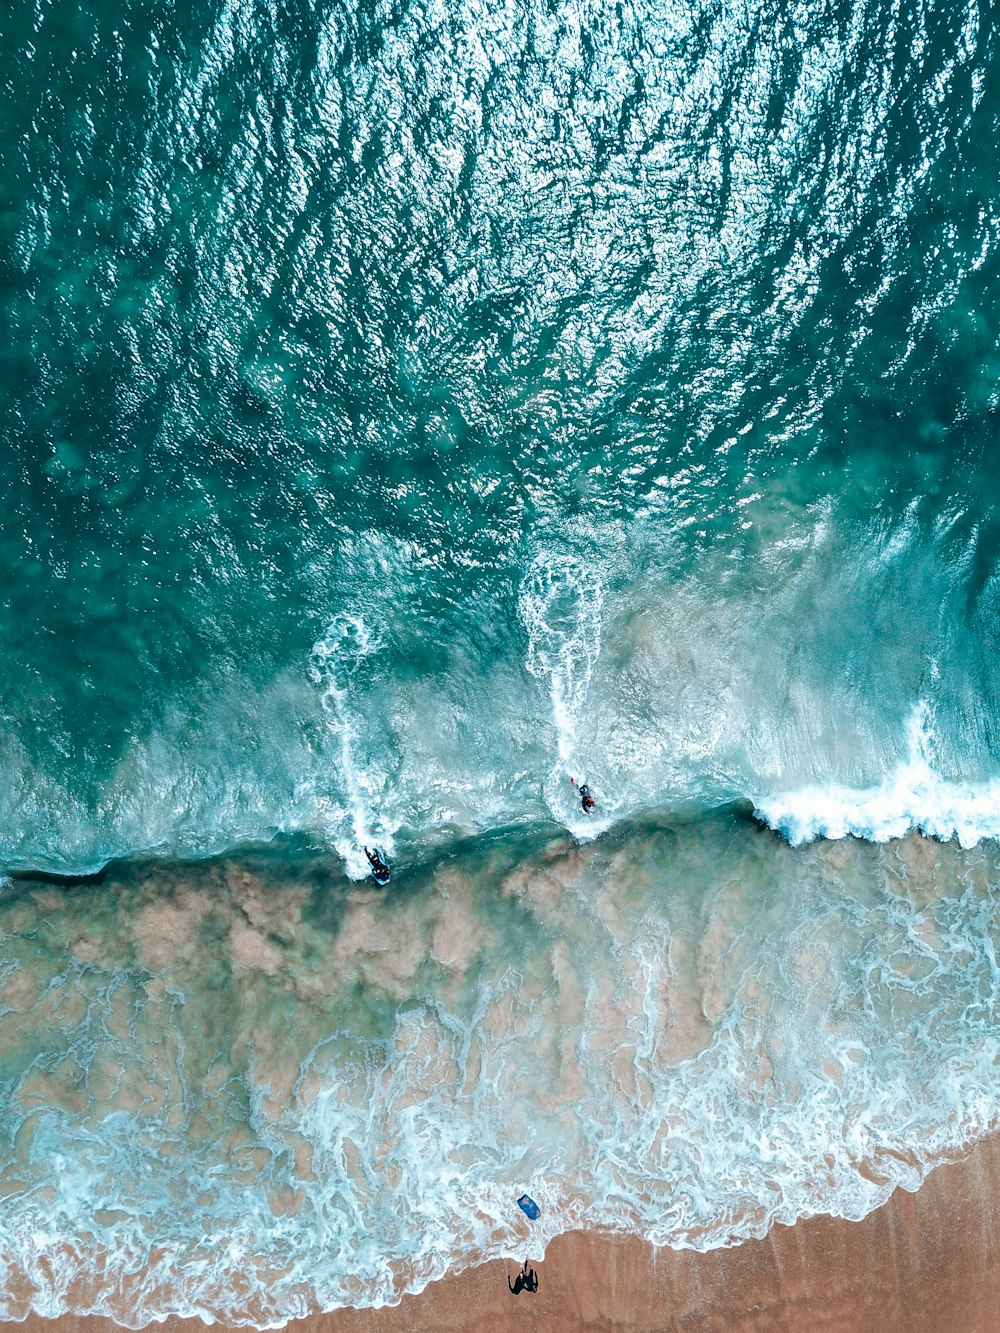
380 871
587 801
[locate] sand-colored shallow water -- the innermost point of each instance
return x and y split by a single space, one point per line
923 1263
249 1091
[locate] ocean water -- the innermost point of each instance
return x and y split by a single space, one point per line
406 407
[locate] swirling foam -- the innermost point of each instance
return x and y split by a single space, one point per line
246 1091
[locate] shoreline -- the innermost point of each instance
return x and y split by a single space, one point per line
923 1261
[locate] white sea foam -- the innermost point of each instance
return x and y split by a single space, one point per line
913 795
336 659
560 603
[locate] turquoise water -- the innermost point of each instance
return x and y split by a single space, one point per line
406 406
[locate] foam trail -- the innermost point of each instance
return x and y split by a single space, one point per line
334 663
914 796
560 605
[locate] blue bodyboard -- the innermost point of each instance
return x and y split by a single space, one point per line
527 1205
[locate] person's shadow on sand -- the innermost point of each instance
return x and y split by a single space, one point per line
526 1280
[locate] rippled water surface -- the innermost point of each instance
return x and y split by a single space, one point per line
405 406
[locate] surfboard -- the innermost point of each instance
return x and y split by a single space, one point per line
527 1205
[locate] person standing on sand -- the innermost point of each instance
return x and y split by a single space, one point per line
526 1280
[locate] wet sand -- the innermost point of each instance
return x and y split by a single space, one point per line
926 1261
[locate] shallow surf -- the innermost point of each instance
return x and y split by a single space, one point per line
250 1087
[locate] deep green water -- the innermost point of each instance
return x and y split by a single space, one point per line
317 312
406 405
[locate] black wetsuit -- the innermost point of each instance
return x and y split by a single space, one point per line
380 871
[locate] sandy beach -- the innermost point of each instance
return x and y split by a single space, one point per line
925 1261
